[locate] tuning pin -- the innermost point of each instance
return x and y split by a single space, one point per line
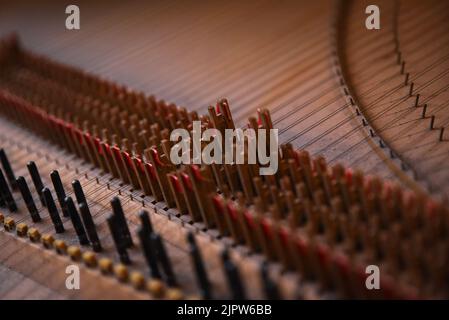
53 211
37 181
163 259
200 269
6 195
76 221
90 227
60 193
8 170
270 288
233 277
149 252
28 199
121 222
119 242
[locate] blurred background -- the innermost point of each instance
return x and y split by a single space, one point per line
281 55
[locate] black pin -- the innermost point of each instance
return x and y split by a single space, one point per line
79 194
147 226
410 93
76 221
28 199
270 288
121 222
200 270
60 193
6 195
119 242
163 259
2 201
417 100
53 211
8 170
424 109
149 252
233 277
37 181
90 227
